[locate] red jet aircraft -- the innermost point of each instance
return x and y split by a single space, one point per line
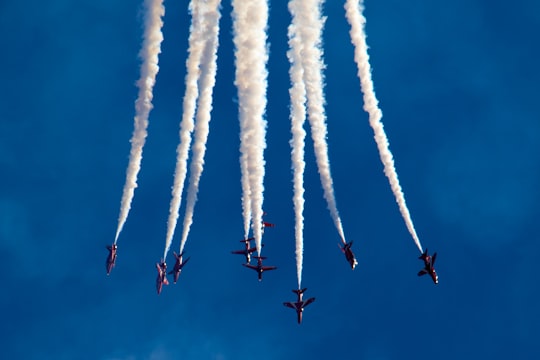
162 276
178 266
111 259
260 268
266 224
346 249
247 251
299 305
429 263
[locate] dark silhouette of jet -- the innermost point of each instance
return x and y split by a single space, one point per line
299 305
429 263
259 268
111 258
247 251
162 276
177 269
346 249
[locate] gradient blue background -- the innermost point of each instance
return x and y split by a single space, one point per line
458 85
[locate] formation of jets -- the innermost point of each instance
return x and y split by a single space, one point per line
299 304
429 262
248 250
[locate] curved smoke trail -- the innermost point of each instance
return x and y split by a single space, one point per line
250 23
151 47
298 116
202 126
354 10
196 45
313 68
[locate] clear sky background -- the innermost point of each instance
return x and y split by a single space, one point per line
458 86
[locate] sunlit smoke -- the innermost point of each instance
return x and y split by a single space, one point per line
202 125
151 47
298 115
250 19
313 77
354 10
196 46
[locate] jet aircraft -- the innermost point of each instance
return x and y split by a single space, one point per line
259 268
247 251
162 276
429 263
111 258
346 249
299 305
178 266
266 224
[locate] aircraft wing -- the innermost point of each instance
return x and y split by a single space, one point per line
253 267
289 304
309 301
433 259
422 272
240 252
268 268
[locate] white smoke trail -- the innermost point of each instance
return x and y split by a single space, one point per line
313 69
246 191
356 19
250 23
298 116
207 82
196 45
151 47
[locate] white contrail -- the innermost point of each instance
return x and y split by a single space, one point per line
207 82
356 19
196 45
250 23
149 54
297 93
313 76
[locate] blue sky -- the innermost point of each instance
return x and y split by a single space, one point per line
457 84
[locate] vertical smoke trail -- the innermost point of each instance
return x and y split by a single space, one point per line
207 82
313 69
298 115
196 46
149 54
246 191
354 10
250 23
